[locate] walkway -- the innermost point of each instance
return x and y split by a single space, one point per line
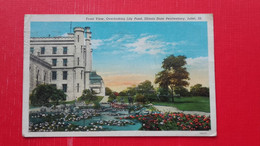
104 100
174 109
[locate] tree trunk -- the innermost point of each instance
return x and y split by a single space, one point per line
172 95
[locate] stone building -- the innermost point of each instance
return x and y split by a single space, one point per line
65 62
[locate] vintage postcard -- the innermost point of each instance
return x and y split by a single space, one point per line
119 75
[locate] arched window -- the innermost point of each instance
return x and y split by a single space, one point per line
37 77
81 74
44 78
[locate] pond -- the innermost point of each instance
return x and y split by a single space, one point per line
72 118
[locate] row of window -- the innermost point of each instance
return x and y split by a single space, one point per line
54 50
54 62
65 62
65 87
64 75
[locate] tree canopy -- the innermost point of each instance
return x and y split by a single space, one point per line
42 94
174 73
108 91
87 95
198 90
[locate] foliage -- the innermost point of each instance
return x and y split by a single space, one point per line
108 91
43 93
123 93
112 97
131 91
163 94
146 88
87 95
174 73
172 121
198 90
96 105
140 98
182 91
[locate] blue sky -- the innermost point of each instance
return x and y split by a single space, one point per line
127 53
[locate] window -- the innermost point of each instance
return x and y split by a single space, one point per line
65 50
78 38
54 75
78 87
37 78
54 62
31 50
65 61
42 50
64 87
54 50
81 74
44 78
65 75
78 60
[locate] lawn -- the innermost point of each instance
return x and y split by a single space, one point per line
189 103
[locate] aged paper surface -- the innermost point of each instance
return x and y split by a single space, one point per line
119 75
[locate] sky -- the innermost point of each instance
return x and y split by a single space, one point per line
128 53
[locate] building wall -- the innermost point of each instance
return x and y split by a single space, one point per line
40 72
79 61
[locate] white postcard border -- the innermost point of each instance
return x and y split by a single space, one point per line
118 18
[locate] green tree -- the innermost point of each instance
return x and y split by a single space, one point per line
108 91
58 96
163 94
146 88
131 91
123 93
182 91
42 94
198 90
174 74
87 95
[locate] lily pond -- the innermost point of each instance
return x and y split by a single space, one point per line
109 117
112 117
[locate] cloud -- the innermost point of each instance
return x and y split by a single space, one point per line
137 44
65 35
150 44
197 63
146 45
96 43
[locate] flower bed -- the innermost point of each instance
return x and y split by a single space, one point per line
172 121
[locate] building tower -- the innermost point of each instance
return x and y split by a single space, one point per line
87 58
78 62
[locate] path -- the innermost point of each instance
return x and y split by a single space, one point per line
104 100
174 109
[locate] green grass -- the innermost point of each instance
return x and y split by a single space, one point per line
67 102
189 103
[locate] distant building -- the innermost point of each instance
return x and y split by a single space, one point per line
65 62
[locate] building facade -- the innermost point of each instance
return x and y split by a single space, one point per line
65 62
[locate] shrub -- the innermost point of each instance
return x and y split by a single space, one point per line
111 98
87 95
140 98
96 105
42 94
182 91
